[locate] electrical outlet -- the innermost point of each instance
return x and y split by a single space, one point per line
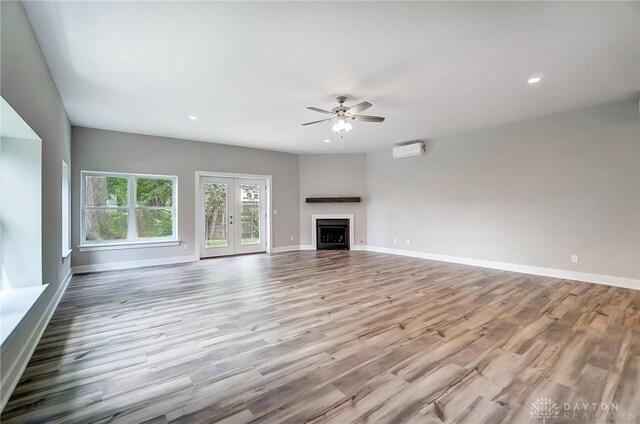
408 242
574 259
185 246
291 238
395 240
275 211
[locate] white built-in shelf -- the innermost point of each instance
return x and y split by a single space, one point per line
14 306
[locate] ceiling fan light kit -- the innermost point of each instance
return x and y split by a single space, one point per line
342 125
342 115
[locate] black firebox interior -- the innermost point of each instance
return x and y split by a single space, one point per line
332 234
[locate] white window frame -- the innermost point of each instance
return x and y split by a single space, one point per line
132 239
66 209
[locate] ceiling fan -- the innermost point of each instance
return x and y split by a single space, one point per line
343 114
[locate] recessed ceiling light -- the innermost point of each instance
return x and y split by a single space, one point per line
326 140
534 80
193 118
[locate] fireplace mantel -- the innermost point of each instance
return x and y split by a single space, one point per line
352 199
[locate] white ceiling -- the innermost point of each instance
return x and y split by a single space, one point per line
248 70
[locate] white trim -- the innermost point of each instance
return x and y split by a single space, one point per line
66 209
232 175
12 375
268 204
15 305
609 280
129 245
317 216
113 266
285 249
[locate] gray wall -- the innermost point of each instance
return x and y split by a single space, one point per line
101 150
532 192
333 175
26 84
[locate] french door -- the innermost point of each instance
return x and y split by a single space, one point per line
232 216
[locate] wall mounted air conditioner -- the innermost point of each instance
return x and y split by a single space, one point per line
409 150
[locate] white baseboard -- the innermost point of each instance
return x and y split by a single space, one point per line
609 280
504 266
281 249
113 266
11 377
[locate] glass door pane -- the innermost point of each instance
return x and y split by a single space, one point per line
216 204
221 200
250 213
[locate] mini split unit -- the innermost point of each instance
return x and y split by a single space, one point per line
409 150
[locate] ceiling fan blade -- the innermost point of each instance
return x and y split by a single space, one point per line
315 109
315 122
368 118
358 108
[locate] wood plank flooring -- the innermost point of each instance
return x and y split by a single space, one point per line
340 337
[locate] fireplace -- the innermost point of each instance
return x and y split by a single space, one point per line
332 234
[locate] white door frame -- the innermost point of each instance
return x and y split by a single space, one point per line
269 223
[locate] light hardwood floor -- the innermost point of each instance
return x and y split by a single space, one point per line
335 337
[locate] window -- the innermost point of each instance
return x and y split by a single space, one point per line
66 215
21 210
128 208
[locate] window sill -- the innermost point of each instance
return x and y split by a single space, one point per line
66 253
131 245
14 306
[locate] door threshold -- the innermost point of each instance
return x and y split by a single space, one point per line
232 255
